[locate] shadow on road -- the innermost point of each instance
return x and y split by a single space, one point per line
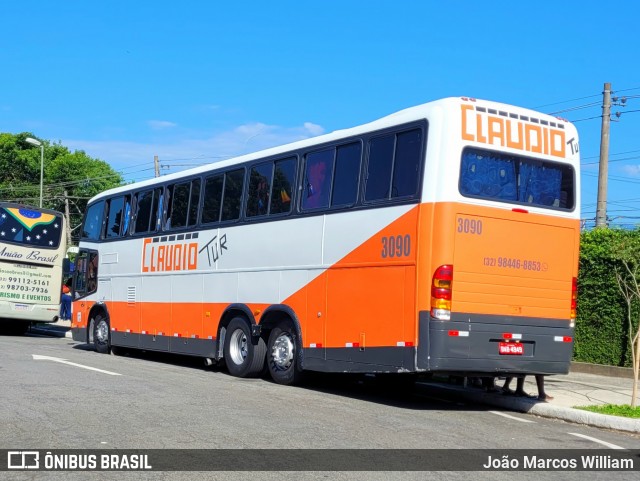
400 391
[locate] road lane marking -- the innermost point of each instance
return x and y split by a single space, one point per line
595 440
37 357
512 417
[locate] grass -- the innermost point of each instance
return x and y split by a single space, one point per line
623 410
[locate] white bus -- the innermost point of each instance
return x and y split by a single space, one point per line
441 238
32 252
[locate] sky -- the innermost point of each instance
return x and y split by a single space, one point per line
197 81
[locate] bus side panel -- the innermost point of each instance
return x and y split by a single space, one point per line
365 300
186 317
125 316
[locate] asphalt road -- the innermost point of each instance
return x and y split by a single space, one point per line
149 401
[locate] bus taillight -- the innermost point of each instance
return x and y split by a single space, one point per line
441 293
574 301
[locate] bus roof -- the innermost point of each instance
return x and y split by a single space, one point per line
409 114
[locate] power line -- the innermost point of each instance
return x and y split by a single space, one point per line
570 109
619 153
616 160
566 101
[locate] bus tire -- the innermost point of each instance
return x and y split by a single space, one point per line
242 357
101 334
282 355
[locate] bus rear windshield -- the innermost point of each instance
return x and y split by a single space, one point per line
30 227
510 178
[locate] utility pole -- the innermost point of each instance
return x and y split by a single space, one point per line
67 216
156 164
601 209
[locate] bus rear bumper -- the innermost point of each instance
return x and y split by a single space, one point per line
472 343
29 312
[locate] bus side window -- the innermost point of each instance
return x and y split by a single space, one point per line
259 189
406 164
156 210
232 198
283 180
212 198
143 211
182 200
114 217
379 168
127 216
318 174
177 206
148 211
347 173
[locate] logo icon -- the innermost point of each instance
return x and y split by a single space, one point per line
23 460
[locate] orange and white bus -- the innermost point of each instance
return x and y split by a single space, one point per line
441 238
32 255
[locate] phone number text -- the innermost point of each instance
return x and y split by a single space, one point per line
512 263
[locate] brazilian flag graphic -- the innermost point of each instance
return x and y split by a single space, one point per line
30 227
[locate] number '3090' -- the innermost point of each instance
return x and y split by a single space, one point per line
396 246
469 226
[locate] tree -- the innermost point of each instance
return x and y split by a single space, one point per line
627 253
70 178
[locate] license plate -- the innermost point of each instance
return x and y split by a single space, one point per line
21 307
511 348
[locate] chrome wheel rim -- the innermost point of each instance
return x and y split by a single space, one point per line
238 347
102 333
282 352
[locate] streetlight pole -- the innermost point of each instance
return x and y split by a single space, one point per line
33 141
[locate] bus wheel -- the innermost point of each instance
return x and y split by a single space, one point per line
242 357
282 355
101 338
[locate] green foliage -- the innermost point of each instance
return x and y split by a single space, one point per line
70 178
601 327
623 410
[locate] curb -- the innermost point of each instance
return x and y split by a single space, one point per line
53 331
546 410
601 370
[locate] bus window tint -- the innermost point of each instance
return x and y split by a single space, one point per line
510 178
347 171
318 173
283 181
259 189
194 202
114 217
379 167
212 199
406 164
147 217
127 215
232 199
92 227
179 204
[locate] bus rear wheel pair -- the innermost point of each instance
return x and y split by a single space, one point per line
245 355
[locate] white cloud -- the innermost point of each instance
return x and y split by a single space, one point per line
631 170
161 124
313 129
135 159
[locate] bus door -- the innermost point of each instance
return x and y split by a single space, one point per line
85 284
